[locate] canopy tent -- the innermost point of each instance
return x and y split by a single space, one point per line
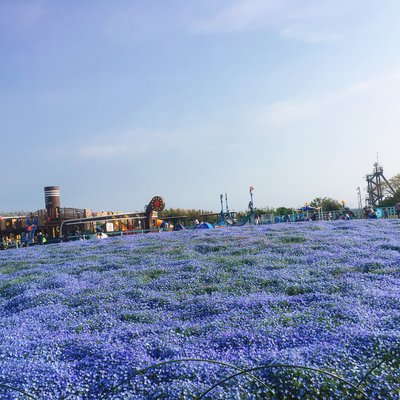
178 227
205 225
308 208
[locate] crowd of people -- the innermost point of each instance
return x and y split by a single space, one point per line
11 241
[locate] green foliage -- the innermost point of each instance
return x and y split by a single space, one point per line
326 203
293 239
283 211
191 214
391 199
263 210
394 182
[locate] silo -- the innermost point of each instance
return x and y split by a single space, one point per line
52 199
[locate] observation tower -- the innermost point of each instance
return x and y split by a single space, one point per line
375 188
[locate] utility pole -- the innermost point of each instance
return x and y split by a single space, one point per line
359 201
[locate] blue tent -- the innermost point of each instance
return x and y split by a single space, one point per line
178 227
205 225
307 208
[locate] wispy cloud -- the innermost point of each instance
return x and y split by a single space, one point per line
289 112
367 104
238 16
307 21
304 34
140 142
103 151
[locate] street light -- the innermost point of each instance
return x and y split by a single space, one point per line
359 201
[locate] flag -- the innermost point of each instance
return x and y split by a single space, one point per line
251 189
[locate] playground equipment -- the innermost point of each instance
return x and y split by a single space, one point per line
137 221
55 223
375 186
229 219
28 236
160 223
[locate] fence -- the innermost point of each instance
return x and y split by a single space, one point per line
327 215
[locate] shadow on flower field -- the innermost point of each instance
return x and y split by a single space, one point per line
179 315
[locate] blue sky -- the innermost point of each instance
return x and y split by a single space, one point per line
117 101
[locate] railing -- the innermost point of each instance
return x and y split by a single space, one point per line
10 245
85 236
99 235
327 215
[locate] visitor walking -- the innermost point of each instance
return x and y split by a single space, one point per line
397 208
385 214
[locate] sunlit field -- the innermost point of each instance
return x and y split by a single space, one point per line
286 311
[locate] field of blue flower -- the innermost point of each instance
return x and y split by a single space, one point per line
81 320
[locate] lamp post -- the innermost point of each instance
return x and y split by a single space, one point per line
251 205
359 201
226 203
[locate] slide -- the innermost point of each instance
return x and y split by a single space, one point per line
29 235
232 222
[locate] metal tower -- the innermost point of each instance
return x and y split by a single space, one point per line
375 186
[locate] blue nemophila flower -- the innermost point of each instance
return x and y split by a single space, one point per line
79 318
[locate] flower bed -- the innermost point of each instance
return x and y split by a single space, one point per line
79 319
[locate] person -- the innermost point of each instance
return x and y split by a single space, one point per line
40 238
314 217
385 214
330 216
372 213
397 209
3 243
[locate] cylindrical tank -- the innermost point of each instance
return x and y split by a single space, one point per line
52 199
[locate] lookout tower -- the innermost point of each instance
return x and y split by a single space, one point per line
375 186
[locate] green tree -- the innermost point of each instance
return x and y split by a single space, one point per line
395 182
190 214
391 198
283 211
264 210
326 203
